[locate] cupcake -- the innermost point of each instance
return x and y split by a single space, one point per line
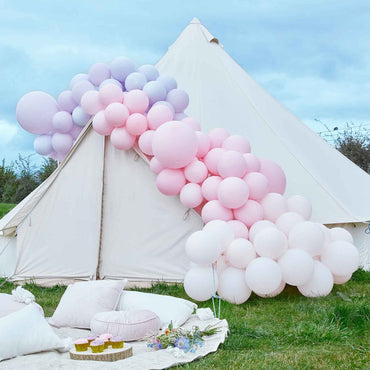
106 337
105 341
97 346
117 342
81 345
91 338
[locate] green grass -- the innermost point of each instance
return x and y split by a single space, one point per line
286 332
5 208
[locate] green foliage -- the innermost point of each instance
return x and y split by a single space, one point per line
5 208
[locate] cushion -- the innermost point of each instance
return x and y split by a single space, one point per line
167 308
82 300
26 331
130 325
9 305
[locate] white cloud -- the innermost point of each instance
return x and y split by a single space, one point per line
7 132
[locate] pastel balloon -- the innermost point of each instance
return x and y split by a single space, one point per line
263 275
212 158
203 144
214 210
150 72
155 91
222 230
98 73
341 257
301 205
201 282
274 205
297 267
136 101
175 144
80 117
237 143
250 213
210 187
75 131
62 122
110 93
275 175
326 232
179 99
338 233
287 221
191 195
35 112
196 171
307 236
232 287
320 284
42 145
341 279
66 101
180 116
233 192
240 253
61 143
136 124
110 81
221 264
90 102
275 293
258 185
121 139
217 136
259 226
271 243
240 230
165 103
231 163
158 115
156 166
121 67
170 181
145 142
192 122
135 80
253 163
81 88
168 82
116 114
101 125
77 78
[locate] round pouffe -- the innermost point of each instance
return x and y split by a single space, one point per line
130 325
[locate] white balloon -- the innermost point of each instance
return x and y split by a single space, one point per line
341 279
222 230
203 247
258 226
338 233
221 264
270 243
232 286
201 282
263 275
275 292
301 205
342 258
274 205
287 221
320 284
326 232
296 266
240 253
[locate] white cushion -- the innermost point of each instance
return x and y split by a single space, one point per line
26 331
9 305
130 325
82 300
167 308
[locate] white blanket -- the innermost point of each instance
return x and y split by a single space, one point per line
143 357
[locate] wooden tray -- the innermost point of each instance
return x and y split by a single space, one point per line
109 354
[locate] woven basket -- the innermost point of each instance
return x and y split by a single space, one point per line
108 354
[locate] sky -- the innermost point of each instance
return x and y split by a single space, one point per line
313 56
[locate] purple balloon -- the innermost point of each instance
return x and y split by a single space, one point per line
75 131
80 117
35 112
150 72
98 73
57 156
62 121
135 80
155 91
62 143
179 116
121 67
111 81
66 101
168 82
80 88
179 99
79 77
42 145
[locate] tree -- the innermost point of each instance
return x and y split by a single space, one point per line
48 166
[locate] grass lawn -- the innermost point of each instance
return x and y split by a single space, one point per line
286 332
5 208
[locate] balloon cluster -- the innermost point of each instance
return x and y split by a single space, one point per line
254 238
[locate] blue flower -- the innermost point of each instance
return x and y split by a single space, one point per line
182 343
160 346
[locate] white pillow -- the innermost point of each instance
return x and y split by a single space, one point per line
9 305
26 331
81 301
167 308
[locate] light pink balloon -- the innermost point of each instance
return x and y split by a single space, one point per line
80 88
341 279
214 210
98 73
250 213
62 122
232 286
275 293
275 175
200 282
258 185
156 166
121 139
217 136
212 158
170 181
320 284
192 122
62 143
158 115
339 233
196 171
136 124
301 205
116 114
253 163
145 142
271 243
136 101
259 226
191 195
66 101
240 230
233 192
203 144
287 221
90 102
273 205
75 131
231 163
101 125
210 187
175 144
110 93
240 253
237 143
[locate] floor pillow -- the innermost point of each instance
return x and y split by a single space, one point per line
9 305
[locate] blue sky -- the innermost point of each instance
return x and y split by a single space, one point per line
313 56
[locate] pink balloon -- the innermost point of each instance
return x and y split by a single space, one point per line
203 144
237 143
271 243
212 158
158 115
301 205
253 163
250 213
214 210
136 124
275 175
62 122
66 101
101 125
240 230
136 101
35 112
80 88
170 181
191 195
75 131
121 139
192 122
196 171
175 144
273 205
259 226
116 114
231 164
90 102
62 143
210 187
217 136
156 166
233 192
258 185
110 93
287 221
145 142
98 73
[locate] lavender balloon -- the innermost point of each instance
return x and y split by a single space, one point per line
168 82
110 81
150 72
155 91
121 67
62 122
98 73
179 99
61 143
66 101
80 117
42 145
135 80
78 78
80 88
